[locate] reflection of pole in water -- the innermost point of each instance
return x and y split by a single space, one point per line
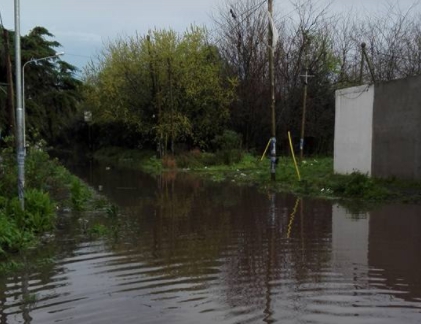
302 226
270 259
272 209
26 297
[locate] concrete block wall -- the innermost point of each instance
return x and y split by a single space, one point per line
378 129
354 130
397 129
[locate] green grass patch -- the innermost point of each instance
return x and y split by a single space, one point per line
48 186
317 176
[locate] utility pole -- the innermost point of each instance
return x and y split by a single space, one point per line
19 111
306 76
271 48
370 66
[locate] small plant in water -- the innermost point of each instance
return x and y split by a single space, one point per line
112 211
98 230
79 194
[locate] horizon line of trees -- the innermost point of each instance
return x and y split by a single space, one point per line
172 91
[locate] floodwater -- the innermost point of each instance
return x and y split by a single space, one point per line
188 251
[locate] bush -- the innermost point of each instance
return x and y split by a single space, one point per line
79 194
38 216
228 147
229 140
8 234
358 185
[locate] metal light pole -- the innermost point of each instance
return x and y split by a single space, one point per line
19 111
23 92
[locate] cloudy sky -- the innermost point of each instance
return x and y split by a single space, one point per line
82 26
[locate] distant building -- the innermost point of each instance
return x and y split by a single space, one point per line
378 129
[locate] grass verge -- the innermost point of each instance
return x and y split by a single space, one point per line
317 176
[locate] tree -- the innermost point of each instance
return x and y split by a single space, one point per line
164 86
241 38
52 93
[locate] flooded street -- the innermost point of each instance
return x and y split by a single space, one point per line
189 251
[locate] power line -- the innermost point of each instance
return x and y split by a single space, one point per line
247 13
398 57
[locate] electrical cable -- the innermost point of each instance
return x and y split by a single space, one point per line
251 11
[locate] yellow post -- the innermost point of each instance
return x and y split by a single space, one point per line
264 153
293 156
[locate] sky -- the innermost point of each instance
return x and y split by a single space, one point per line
82 26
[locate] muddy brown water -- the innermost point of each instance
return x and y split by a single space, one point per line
184 250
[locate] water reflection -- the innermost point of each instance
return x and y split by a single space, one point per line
190 251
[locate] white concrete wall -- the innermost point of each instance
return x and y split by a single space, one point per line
354 130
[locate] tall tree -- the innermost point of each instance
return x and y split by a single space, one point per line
241 38
52 93
165 86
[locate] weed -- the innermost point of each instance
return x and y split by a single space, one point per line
100 203
112 211
98 230
79 194
10 266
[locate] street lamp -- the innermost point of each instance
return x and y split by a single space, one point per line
23 90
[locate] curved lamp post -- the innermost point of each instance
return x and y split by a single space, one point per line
23 90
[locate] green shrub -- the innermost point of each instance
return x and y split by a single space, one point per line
98 230
39 214
12 238
8 233
228 147
229 140
358 185
79 194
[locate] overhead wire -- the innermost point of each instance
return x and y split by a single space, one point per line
398 57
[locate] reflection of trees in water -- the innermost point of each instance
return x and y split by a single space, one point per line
184 228
191 227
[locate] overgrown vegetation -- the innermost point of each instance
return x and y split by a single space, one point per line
49 186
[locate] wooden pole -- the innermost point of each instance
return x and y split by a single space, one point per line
306 76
